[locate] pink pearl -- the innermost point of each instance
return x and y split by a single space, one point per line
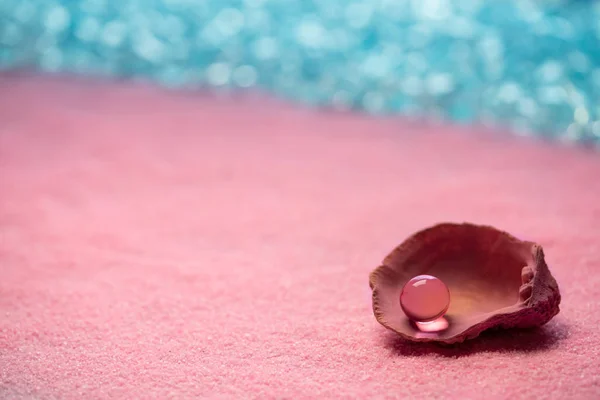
425 298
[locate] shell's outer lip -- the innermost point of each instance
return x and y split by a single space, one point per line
539 296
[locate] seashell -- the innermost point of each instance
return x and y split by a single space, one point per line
495 281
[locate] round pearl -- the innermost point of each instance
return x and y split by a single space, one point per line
425 298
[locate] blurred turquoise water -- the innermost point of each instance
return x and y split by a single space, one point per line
533 66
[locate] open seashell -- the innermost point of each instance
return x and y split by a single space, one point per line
495 281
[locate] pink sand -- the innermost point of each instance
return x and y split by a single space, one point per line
162 245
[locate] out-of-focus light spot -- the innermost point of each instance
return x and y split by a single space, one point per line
522 127
254 3
550 71
82 60
552 94
376 65
245 76
581 116
358 15
509 92
461 51
596 129
373 101
564 29
257 20
174 28
113 33
439 84
340 39
469 7
173 76
419 36
542 28
395 9
265 48
88 30
210 35
57 19
230 21
310 33
393 52
92 6
45 42
147 46
24 11
527 107
491 47
416 61
575 96
573 133
579 61
51 59
529 11
218 74
432 9
10 34
412 85
461 28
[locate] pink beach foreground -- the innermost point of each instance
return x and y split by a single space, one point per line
164 245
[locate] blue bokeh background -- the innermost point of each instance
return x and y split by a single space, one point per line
532 66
